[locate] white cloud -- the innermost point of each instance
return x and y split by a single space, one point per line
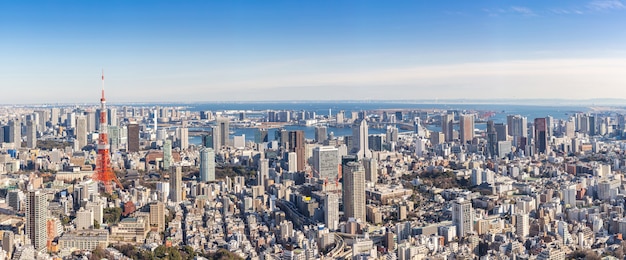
556 78
602 5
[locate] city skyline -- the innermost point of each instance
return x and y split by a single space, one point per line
157 51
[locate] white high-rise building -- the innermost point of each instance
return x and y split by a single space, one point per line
36 216
81 131
522 225
292 162
354 191
207 164
360 139
183 138
462 217
331 211
84 219
326 163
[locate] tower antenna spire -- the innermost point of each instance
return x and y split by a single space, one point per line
102 98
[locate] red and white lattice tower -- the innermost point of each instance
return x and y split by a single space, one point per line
104 173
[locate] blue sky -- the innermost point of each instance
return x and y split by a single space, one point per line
53 51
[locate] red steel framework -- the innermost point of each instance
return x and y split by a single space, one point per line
104 173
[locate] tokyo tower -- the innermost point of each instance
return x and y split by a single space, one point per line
104 173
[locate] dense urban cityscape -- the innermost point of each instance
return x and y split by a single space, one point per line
124 182
305 130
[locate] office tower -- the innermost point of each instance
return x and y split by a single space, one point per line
326 163
492 139
157 216
15 132
183 138
502 131
14 199
541 135
112 117
223 132
550 125
354 190
466 128
296 144
592 125
36 215
462 217
90 117
133 137
70 121
292 162
31 134
114 138
522 226
167 154
43 117
81 131
261 136
282 136
331 211
263 172
54 115
176 184
84 219
320 134
207 164
518 126
391 134
447 122
417 125
360 139
370 165
340 117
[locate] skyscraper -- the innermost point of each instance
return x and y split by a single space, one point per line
492 139
167 154
207 164
31 134
15 132
183 138
90 116
466 128
176 184
354 190
331 211
462 217
541 135
296 144
360 139
263 172
447 121
370 166
81 131
36 215
326 163
133 137
320 134
223 132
